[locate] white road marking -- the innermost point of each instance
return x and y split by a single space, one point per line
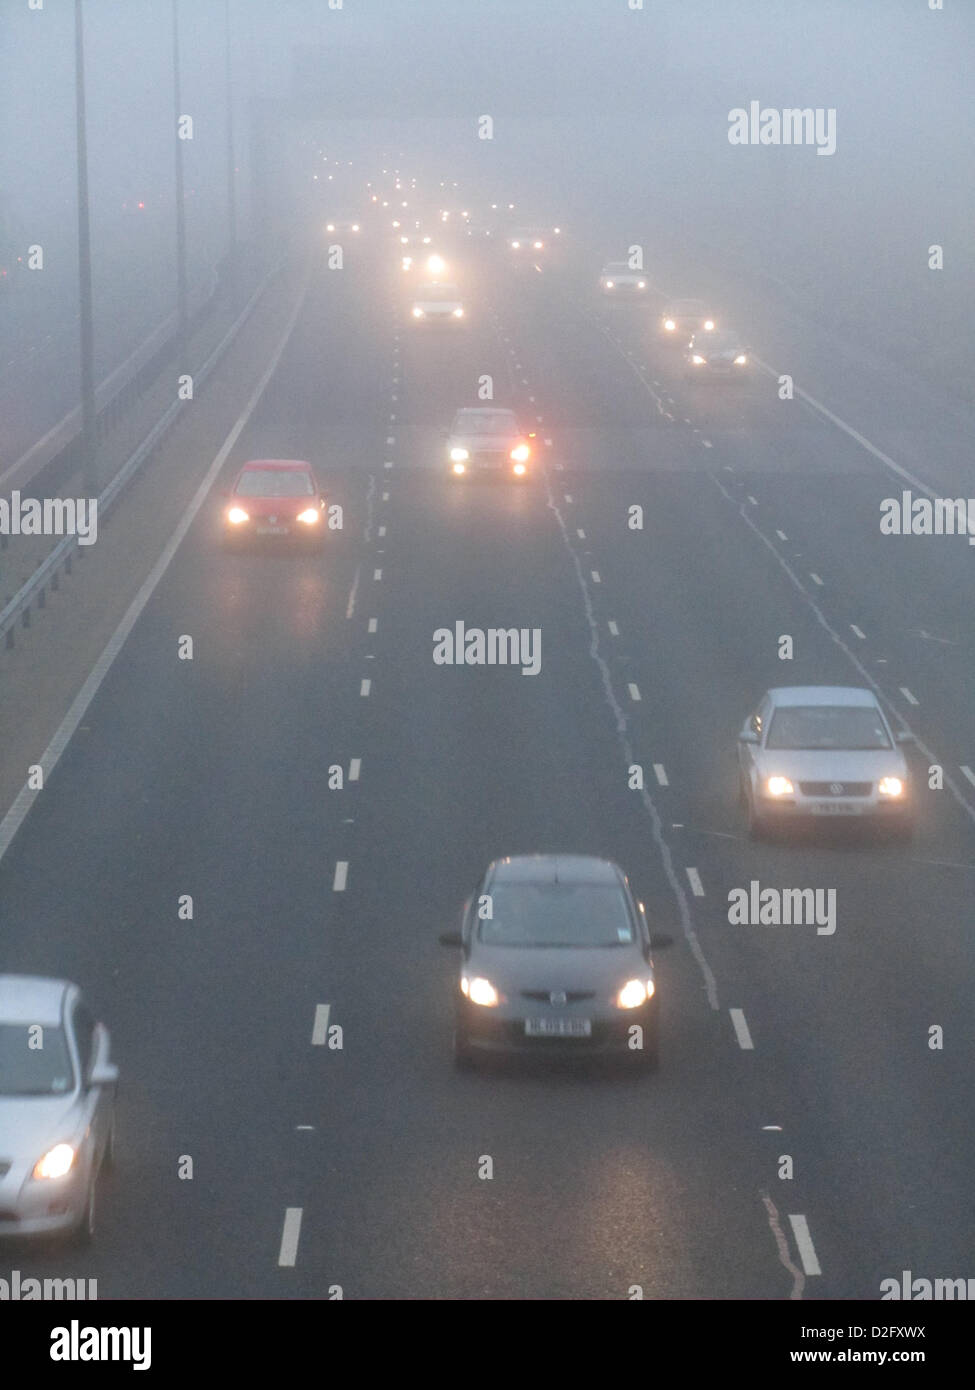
614 630
341 875
289 1238
355 765
319 1032
365 687
856 631
707 443
377 575
580 533
815 578
660 774
350 606
967 772
782 1245
373 624
694 879
807 1251
568 496
907 695
390 439
387 463
634 692
382 530
782 536
753 500
386 494
741 1030
595 577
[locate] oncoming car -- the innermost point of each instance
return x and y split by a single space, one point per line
275 499
484 439
814 751
555 959
617 281
57 1108
717 354
684 317
437 303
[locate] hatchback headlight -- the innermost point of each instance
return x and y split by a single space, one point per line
780 786
669 325
740 360
459 455
520 453
698 361
309 516
458 313
890 786
479 991
417 312
236 515
609 284
634 993
56 1162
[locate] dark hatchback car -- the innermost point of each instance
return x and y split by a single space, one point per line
275 500
556 960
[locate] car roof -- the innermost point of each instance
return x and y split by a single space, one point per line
32 999
484 410
555 868
277 463
823 695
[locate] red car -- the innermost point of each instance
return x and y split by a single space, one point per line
275 499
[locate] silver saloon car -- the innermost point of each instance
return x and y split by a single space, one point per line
618 281
555 959
57 1108
713 355
488 440
822 751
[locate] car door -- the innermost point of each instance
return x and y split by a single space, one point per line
93 1100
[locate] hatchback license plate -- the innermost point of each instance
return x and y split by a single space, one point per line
272 530
558 1027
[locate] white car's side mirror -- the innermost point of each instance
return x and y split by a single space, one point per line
748 735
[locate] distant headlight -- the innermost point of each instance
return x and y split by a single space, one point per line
609 284
417 312
890 786
458 313
459 455
479 991
521 453
537 245
330 227
740 360
436 264
310 515
641 284
407 262
709 325
460 468
698 361
426 241
56 1162
634 993
236 515
516 245
780 786
519 470
669 325
355 226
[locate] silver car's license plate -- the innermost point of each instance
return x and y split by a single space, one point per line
835 808
558 1027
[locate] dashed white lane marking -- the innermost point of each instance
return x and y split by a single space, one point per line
567 496
289 1238
741 1030
377 575
815 578
341 875
907 695
782 536
386 494
373 624
707 443
634 692
319 1032
694 879
967 772
390 439
382 531
387 463
350 606
753 500
613 629
354 768
660 774
856 631
595 577
798 1278
807 1251
365 687
580 533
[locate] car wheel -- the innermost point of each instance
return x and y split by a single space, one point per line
463 1059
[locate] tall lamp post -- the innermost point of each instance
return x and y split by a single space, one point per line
89 465
182 313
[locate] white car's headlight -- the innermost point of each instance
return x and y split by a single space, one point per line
460 468
609 284
458 313
459 455
669 325
417 312
697 360
56 1162
740 360
538 245
236 515
634 993
709 325
521 453
780 786
641 284
309 516
890 786
479 991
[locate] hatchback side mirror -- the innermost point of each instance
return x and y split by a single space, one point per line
103 1074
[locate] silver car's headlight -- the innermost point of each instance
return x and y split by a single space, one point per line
634 993
459 455
890 786
779 786
479 991
56 1162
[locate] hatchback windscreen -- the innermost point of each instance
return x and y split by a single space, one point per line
848 727
686 308
722 342
556 914
34 1061
275 482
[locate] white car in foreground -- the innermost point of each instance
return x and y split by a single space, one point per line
817 751
57 1108
618 281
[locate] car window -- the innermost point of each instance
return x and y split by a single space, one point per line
497 422
34 1061
848 727
557 914
275 482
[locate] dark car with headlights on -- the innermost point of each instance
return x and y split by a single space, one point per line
684 317
713 355
555 960
275 500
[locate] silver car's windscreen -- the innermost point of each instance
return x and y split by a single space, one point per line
34 1060
556 914
849 727
500 423
275 482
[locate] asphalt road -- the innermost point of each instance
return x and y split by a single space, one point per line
211 778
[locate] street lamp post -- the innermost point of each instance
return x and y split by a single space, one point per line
89 465
182 313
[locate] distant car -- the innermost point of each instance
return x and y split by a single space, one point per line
682 318
484 439
57 1108
556 959
717 354
618 281
529 239
345 223
822 751
437 303
275 499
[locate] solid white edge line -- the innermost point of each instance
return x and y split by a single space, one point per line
660 774
741 1030
289 1237
341 876
319 1032
354 768
48 760
694 879
807 1251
